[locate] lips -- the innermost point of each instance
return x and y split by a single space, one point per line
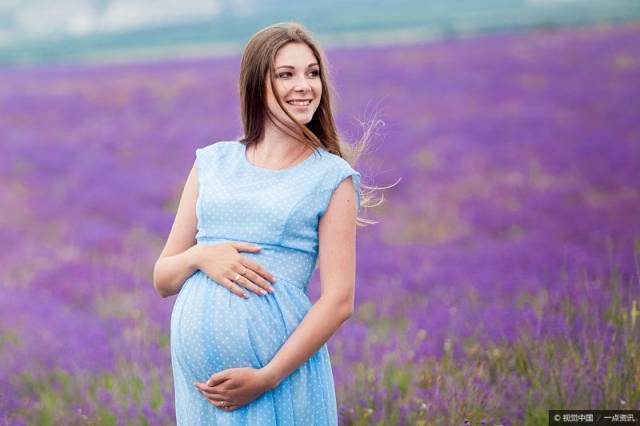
299 102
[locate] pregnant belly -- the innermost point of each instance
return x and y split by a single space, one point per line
213 329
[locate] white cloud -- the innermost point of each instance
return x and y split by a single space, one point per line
45 18
38 18
127 14
82 22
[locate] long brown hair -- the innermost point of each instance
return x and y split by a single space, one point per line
257 64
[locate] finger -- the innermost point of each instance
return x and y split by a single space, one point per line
213 395
209 390
217 378
258 280
219 404
231 408
250 280
240 246
203 387
218 390
232 287
251 286
228 407
258 268
227 387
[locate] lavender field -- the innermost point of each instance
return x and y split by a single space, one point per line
502 279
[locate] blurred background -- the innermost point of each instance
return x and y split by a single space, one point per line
502 277
37 31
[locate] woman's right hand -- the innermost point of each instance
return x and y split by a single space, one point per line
223 262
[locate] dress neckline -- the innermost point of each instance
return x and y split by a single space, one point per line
243 150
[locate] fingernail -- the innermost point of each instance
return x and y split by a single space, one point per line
271 289
262 292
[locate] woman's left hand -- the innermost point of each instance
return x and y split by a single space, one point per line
232 388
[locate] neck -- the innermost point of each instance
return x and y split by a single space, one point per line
278 146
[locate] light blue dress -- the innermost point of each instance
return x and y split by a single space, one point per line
213 329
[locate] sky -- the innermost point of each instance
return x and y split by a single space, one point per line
24 19
44 18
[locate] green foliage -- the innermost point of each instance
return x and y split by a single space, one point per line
59 394
519 381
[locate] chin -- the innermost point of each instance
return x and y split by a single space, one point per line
306 120
303 118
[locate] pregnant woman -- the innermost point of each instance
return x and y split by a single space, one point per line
255 218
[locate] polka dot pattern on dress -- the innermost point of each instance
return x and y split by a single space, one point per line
212 329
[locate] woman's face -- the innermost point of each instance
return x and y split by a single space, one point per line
298 83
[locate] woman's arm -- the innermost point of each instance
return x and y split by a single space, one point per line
179 258
337 262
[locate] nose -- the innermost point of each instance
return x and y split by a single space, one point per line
301 85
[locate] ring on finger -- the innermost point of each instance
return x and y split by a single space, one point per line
237 276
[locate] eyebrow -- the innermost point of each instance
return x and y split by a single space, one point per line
292 67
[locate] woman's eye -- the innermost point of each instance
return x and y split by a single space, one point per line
313 73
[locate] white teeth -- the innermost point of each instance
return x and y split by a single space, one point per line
299 103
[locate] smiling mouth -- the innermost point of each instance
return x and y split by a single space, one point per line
300 103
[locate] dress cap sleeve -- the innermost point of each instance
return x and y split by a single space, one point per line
342 171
